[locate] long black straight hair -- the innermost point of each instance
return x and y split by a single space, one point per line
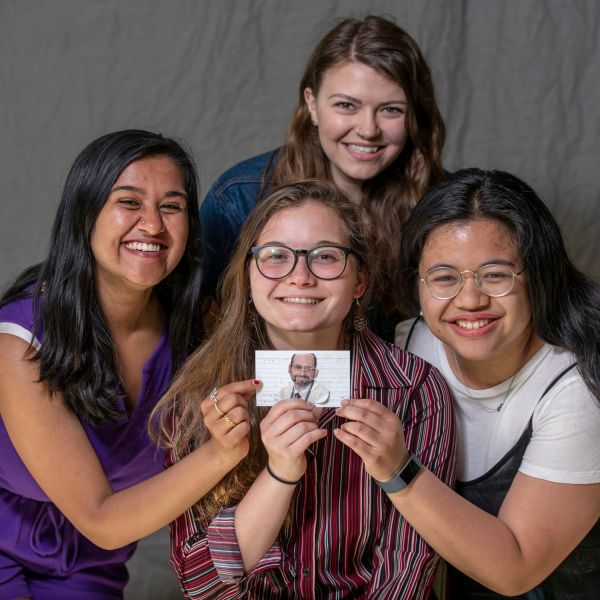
565 303
77 357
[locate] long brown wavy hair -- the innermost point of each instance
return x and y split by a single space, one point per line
227 355
389 197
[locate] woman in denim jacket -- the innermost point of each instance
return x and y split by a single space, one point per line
368 121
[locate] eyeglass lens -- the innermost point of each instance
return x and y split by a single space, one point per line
303 368
326 262
494 280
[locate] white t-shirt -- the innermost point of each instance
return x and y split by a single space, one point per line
565 443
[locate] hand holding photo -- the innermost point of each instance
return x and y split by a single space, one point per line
321 377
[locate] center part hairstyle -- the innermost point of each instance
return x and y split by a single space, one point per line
228 353
77 356
565 303
389 197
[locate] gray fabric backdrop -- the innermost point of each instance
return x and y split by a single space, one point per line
517 80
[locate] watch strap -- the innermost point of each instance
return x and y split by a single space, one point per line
403 477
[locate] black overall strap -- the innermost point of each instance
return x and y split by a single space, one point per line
558 378
488 492
411 331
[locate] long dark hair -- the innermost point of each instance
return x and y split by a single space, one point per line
228 353
77 357
565 303
390 196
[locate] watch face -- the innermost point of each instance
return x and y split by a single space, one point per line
410 470
403 478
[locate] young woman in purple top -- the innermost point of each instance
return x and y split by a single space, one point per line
89 339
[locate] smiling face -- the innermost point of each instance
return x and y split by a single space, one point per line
300 310
360 117
141 232
302 370
489 335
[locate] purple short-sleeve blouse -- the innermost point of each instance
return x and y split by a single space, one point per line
43 539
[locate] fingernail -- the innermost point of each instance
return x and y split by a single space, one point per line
256 381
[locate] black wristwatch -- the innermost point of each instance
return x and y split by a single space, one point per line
403 477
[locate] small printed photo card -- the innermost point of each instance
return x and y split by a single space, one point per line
319 376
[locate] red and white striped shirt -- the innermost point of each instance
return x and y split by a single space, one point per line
346 539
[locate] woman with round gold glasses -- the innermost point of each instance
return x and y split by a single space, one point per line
514 328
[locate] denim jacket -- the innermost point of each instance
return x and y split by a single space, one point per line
223 211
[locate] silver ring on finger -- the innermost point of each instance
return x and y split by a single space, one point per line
213 397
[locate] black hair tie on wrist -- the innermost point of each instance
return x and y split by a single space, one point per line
286 481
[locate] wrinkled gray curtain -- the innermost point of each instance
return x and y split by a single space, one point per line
518 82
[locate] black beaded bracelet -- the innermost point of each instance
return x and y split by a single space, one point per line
286 481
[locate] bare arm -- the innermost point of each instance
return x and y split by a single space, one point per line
55 449
539 523
287 431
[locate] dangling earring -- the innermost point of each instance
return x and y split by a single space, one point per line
251 315
359 317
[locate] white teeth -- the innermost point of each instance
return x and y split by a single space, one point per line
363 149
301 300
143 246
473 324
